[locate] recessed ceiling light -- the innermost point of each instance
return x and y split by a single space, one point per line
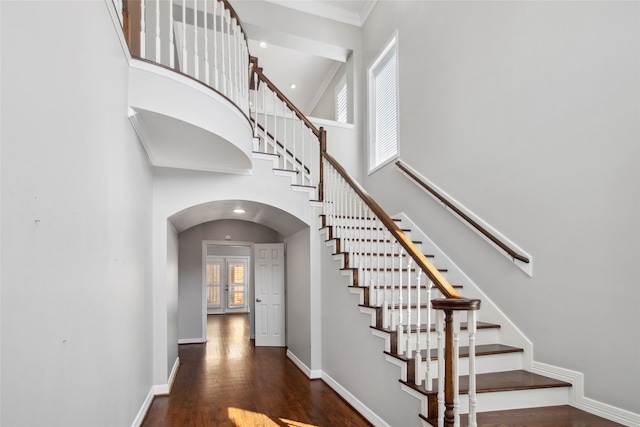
263 45
293 86
239 211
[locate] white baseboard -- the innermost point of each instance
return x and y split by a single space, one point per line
312 374
580 401
192 340
156 390
353 401
137 422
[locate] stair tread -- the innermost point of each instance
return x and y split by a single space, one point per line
497 381
383 254
432 328
415 242
422 286
481 350
286 170
376 269
268 154
548 416
361 218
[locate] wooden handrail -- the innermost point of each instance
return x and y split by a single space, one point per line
422 262
286 100
512 253
298 161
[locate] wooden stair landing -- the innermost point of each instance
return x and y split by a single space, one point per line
549 416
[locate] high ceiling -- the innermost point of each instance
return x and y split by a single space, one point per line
288 59
353 12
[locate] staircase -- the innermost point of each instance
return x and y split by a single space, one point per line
506 393
428 328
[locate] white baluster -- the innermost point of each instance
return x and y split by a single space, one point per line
455 370
143 31
158 41
284 135
207 74
229 88
215 53
303 162
196 59
275 123
236 50
385 251
224 50
428 375
361 245
418 356
172 46
400 336
441 374
184 64
264 112
392 314
472 328
409 333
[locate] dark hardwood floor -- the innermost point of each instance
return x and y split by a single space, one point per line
230 382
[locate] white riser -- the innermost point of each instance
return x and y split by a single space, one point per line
392 296
516 399
484 336
486 364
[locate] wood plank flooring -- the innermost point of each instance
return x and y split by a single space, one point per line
228 382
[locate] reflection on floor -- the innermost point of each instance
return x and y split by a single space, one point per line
230 382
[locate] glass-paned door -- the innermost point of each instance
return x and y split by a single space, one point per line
213 273
236 283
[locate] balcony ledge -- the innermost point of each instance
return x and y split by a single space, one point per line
184 124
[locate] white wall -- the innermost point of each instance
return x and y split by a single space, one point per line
298 295
527 113
172 266
326 106
354 358
190 293
76 230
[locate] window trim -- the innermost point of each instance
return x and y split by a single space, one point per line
391 45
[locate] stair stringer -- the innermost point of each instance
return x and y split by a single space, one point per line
510 334
352 361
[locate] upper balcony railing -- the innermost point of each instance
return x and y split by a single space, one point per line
202 39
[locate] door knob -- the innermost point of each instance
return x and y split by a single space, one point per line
258 300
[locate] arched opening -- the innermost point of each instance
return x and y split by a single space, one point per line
213 231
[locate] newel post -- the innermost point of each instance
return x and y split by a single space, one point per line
323 149
451 352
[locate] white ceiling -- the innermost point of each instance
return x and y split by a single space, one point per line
353 12
309 64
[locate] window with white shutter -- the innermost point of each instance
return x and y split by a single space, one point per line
383 107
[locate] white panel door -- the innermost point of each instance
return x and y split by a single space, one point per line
269 292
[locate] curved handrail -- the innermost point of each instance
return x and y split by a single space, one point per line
422 262
512 253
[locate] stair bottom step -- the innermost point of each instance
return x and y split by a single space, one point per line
549 416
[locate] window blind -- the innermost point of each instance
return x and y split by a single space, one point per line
341 104
385 138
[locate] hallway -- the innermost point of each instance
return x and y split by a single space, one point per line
229 382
